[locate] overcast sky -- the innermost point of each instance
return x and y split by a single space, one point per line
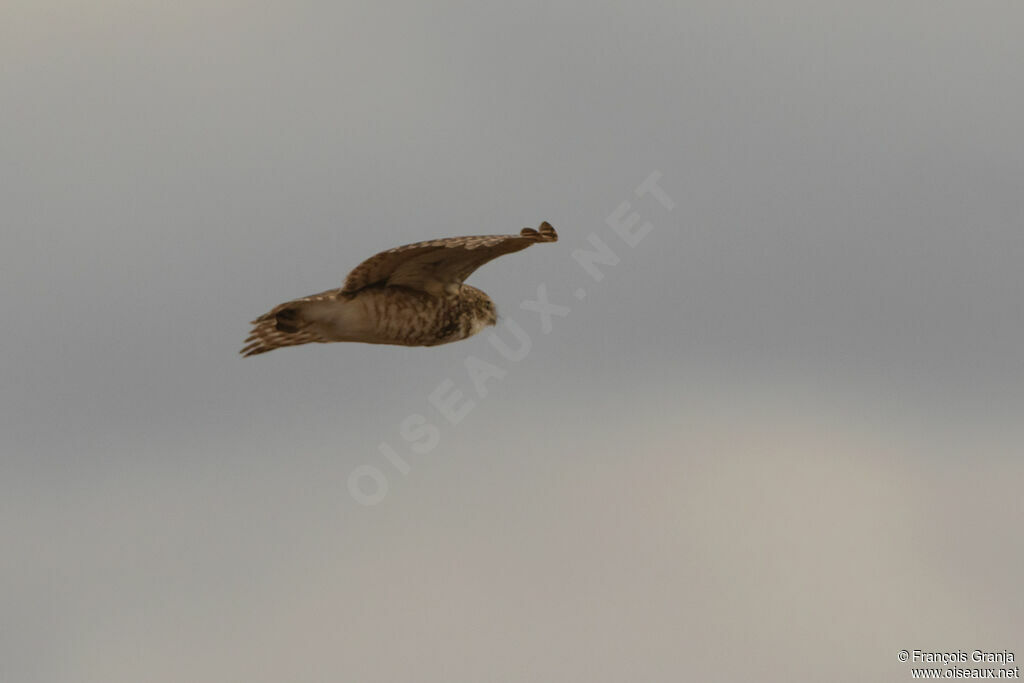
779 439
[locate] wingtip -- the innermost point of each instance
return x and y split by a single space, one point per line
547 232
544 233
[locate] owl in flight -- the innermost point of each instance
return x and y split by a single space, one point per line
412 296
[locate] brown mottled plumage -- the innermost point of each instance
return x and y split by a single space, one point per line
412 296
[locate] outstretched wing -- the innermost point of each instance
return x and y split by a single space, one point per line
267 336
434 266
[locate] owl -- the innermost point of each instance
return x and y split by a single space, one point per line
410 296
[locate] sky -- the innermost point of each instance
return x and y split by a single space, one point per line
773 433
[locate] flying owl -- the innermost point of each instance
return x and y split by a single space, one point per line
411 296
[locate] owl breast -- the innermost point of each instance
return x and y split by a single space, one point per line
412 317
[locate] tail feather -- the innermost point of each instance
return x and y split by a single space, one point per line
284 326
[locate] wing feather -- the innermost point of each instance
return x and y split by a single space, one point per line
435 264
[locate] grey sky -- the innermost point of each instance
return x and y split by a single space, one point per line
770 436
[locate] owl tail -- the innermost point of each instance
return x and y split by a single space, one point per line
289 324
289 320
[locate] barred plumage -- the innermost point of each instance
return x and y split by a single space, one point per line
411 295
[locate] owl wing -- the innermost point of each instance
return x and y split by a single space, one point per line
435 265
